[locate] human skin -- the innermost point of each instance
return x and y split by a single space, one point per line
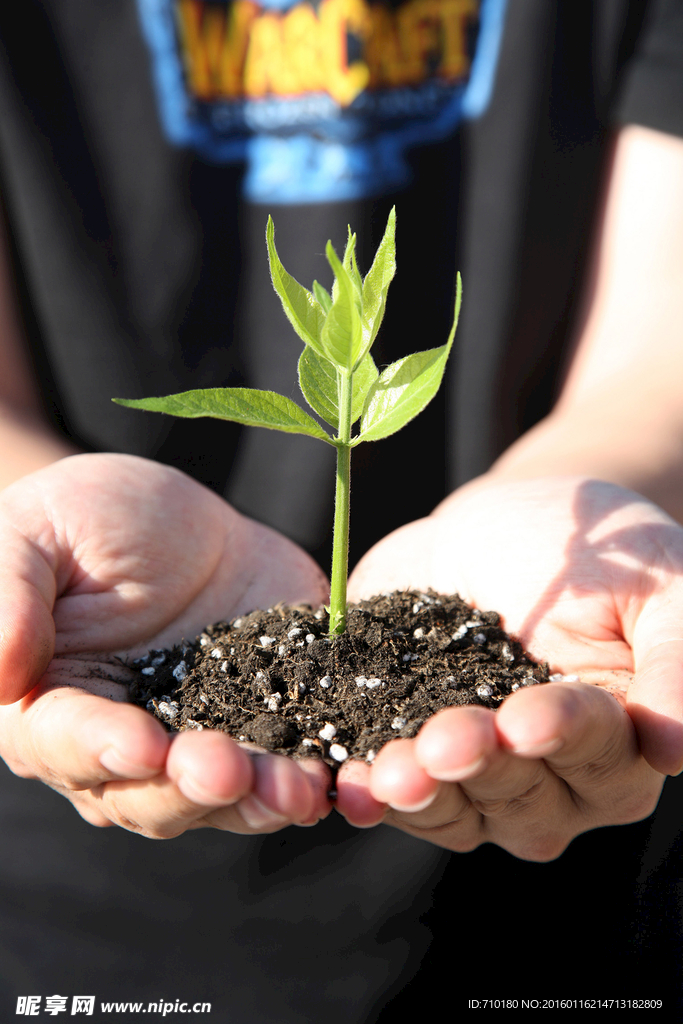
109 555
590 577
105 556
619 418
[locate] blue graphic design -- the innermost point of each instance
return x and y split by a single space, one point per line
309 147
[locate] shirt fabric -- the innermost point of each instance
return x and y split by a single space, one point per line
141 263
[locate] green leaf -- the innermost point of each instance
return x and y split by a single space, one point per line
404 389
364 377
377 281
349 262
302 309
342 335
322 296
241 405
318 382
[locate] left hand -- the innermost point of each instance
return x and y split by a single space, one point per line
103 557
589 576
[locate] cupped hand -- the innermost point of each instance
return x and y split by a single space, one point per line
103 557
590 577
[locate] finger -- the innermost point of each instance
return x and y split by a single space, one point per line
27 632
209 768
354 799
462 744
587 739
509 793
396 779
447 815
457 743
206 772
71 739
655 704
400 561
283 793
320 778
210 782
517 803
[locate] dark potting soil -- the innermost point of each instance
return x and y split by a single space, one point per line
274 677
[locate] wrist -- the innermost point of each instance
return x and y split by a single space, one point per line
604 441
27 444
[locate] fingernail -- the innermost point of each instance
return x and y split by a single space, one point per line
114 762
457 774
539 749
414 808
256 814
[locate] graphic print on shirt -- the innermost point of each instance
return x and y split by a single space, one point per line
321 98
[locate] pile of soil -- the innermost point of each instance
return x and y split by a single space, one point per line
276 679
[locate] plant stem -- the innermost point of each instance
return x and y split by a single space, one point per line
340 541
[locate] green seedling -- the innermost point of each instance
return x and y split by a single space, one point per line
337 376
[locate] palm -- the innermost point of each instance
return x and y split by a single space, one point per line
573 566
144 555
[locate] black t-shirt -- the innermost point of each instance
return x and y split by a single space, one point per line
142 271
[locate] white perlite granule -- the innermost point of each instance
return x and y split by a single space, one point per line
168 710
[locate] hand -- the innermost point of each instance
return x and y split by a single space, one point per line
101 558
590 577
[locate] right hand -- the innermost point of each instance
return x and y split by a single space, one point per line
589 576
103 557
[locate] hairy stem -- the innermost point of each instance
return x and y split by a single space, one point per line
340 542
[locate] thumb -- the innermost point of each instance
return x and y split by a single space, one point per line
655 704
27 631
655 697
400 561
